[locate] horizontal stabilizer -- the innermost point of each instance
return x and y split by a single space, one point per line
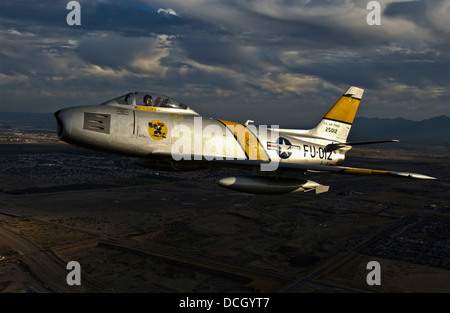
335 146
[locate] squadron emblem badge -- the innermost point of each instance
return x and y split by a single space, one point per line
157 130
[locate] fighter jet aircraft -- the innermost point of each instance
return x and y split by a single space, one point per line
162 133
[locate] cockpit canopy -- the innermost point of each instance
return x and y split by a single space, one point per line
147 98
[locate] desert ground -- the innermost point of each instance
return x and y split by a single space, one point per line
138 230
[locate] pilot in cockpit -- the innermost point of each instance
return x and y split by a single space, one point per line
148 100
165 102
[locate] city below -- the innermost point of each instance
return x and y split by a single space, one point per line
132 229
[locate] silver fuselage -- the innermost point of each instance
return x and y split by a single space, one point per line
186 135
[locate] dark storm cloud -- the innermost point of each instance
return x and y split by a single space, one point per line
409 9
130 18
229 57
431 14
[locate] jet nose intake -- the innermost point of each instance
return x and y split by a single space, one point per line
60 125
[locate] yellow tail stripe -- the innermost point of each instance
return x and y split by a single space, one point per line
248 141
344 110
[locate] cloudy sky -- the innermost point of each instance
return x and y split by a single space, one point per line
281 62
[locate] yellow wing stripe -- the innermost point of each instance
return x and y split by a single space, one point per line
248 141
344 110
368 172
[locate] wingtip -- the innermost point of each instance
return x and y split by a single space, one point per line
413 175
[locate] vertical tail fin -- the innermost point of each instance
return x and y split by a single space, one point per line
336 124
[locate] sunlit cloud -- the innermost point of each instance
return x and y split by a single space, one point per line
234 54
167 11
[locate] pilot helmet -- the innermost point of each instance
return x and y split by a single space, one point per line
147 99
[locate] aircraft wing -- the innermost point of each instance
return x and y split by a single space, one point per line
354 171
246 163
335 169
268 185
274 185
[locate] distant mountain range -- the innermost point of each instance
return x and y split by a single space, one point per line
435 130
